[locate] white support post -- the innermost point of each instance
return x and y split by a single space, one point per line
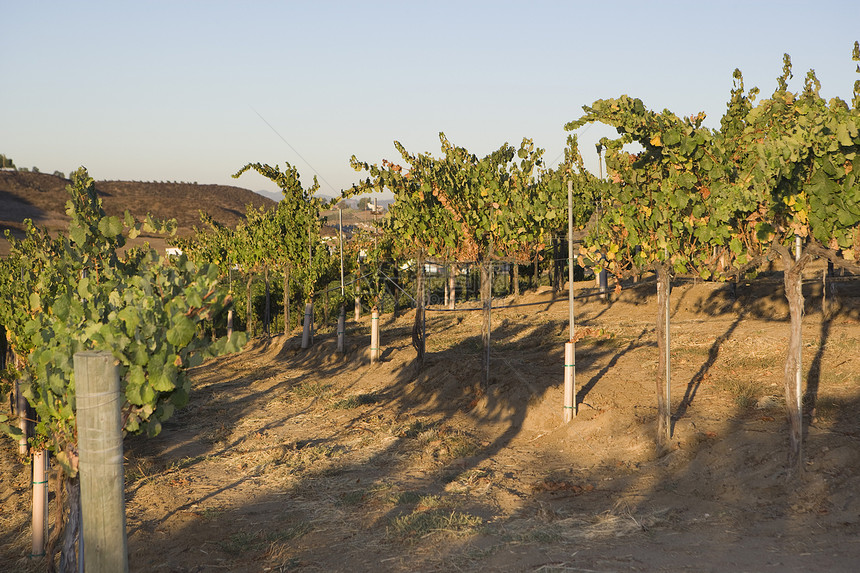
374 336
40 502
569 347
569 382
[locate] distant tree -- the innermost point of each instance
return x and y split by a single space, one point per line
363 203
343 205
6 162
23 169
36 169
59 174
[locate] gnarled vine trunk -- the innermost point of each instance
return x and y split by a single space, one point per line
559 248
308 325
394 290
486 324
267 317
358 294
69 525
418 333
452 286
249 316
287 328
793 282
516 278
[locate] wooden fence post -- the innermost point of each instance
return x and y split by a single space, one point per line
100 463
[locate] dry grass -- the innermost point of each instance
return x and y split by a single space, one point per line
745 393
300 455
312 390
619 522
443 444
424 523
390 479
254 541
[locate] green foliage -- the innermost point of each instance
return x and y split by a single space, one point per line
664 204
462 207
68 294
708 202
797 160
416 221
284 238
547 206
287 236
6 162
484 195
373 248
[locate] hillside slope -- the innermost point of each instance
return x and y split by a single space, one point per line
42 198
306 460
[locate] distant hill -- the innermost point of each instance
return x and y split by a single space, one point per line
42 198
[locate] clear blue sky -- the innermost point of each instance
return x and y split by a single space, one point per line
169 90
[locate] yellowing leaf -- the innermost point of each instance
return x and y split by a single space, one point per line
656 142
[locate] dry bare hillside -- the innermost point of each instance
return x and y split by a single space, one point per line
42 198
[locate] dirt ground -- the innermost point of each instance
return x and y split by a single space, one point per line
292 460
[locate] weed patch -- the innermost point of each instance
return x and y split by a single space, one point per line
312 390
744 392
420 524
240 543
355 402
246 541
445 444
355 497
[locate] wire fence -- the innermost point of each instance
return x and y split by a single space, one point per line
391 289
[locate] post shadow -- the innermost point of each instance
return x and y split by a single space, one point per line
813 377
699 377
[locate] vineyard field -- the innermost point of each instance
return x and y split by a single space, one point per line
301 460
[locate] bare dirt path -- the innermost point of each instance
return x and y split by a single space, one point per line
291 460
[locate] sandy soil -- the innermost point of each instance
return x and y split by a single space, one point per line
292 460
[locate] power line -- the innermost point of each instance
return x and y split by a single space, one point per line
587 127
294 150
